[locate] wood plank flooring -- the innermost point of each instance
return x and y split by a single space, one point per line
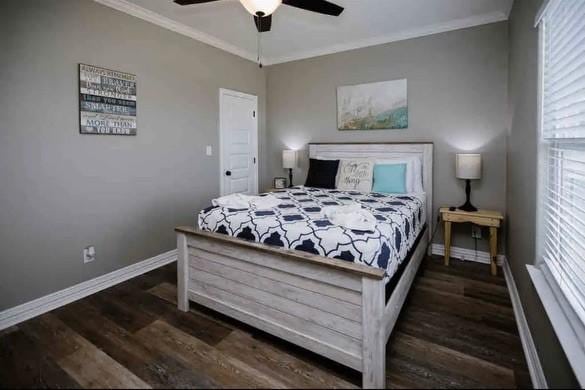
457 330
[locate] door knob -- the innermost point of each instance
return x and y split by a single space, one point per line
228 173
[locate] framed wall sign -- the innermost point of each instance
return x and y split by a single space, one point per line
279 183
107 101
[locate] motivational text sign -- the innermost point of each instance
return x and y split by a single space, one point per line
107 101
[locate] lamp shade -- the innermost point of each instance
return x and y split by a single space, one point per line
289 159
261 7
468 166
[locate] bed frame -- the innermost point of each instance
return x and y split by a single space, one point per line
332 307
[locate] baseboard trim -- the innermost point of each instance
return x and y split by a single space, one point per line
532 359
466 254
26 311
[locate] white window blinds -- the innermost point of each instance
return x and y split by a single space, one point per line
562 243
564 70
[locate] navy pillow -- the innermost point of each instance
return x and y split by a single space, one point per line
322 173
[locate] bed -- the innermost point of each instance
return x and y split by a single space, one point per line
289 273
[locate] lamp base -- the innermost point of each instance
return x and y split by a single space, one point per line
467 207
290 178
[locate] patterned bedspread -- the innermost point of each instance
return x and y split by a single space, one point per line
297 224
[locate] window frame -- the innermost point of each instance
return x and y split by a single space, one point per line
568 327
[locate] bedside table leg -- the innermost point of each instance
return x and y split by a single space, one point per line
494 249
447 242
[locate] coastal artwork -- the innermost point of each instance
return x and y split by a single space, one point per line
373 106
107 101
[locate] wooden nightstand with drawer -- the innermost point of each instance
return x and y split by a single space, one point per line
491 219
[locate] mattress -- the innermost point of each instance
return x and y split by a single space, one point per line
297 224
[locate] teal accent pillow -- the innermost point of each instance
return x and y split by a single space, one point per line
390 178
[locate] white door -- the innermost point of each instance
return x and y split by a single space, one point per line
238 128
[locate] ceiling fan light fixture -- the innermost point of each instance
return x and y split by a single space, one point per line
261 7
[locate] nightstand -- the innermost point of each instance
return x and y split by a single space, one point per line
491 219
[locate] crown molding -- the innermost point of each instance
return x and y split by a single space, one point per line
169 24
458 24
542 10
509 9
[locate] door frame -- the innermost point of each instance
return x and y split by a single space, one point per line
223 92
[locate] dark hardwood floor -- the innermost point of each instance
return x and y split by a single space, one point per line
456 330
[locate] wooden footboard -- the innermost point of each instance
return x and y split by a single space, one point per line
331 307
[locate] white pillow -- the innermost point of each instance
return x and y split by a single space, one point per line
413 172
355 175
418 176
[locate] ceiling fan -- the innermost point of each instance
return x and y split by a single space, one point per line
262 9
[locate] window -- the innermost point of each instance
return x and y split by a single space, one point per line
561 239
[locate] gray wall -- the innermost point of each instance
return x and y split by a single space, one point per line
457 95
61 191
522 186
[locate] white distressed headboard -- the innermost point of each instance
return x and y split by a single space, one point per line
383 151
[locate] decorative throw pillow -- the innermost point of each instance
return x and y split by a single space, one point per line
355 175
322 173
390 178
413 172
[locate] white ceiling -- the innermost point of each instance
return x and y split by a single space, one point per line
298 34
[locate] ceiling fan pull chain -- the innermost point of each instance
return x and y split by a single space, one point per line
259 42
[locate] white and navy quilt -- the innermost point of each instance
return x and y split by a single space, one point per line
297 224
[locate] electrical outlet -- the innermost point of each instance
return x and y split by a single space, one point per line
88 254
476 232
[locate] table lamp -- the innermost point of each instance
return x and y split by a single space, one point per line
468 167
289 161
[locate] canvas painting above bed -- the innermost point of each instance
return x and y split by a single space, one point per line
373 106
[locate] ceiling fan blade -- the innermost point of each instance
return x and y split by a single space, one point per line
263 24
189 2
320 6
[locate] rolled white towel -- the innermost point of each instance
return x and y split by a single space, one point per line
351 216
233 201
265 202
242 201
